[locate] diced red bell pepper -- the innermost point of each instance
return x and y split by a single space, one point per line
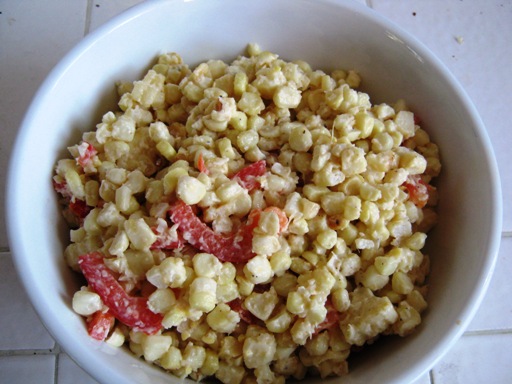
86 153
418 190
332 318
62 188
245 315
79 208
247 176
235 248
201 165
129 310
166 240
99 324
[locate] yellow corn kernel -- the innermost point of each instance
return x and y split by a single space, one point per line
190 189
170 180
203 294
401 283
223 319
300 139
166 150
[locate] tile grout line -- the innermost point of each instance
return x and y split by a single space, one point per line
56 367
88 15
29 352
488 332
431 376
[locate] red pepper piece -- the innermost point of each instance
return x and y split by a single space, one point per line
418 190
62 188
87 152
129 310
234 248
245 315
79 208
331 319
247 176
166 240
201 165
99 325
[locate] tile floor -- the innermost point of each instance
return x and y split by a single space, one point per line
471 37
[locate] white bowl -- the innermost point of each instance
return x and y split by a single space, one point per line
328 34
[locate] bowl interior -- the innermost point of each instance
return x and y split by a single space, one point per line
327 34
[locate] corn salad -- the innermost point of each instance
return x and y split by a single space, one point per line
253 221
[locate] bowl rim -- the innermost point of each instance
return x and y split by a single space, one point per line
52 79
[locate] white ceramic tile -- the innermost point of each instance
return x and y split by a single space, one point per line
103 10
34 35
27 369
495 311
473 39
21 327
70 372
477 359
